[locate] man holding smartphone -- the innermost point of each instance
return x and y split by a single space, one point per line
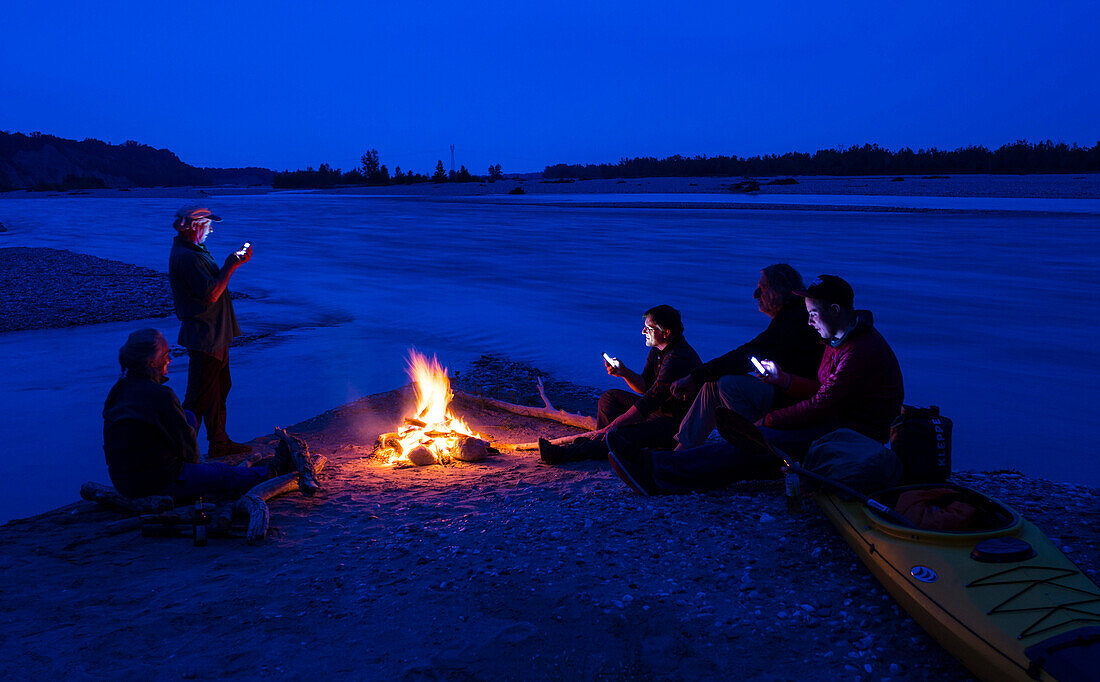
725 381
649 413
207 321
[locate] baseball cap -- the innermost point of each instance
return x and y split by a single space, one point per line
828 288
196 212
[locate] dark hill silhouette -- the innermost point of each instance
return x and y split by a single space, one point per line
39 161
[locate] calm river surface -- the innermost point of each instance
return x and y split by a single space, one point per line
987 308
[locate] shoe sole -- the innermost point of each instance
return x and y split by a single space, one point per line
622 473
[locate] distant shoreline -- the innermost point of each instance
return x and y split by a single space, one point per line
1044 186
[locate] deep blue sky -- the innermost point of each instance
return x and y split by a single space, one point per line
286 85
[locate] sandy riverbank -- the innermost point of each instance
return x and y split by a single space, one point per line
53 288
1068 186
504 569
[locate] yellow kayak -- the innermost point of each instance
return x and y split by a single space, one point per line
1000 596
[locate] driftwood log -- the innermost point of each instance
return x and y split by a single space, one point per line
299 452
548 412
182 514
107 495
557 441
254 502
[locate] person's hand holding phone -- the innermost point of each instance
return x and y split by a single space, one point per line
613 365
774 375
244 254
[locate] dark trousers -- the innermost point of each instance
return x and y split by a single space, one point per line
717 465
214 479
656 432
208 385
612 405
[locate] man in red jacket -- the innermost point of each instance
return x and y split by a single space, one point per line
858 386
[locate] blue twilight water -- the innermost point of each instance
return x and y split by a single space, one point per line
988 312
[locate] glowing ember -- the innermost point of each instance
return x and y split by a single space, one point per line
433 434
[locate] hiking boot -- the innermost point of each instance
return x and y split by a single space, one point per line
632 464
740 432
547 452
227 448
577 451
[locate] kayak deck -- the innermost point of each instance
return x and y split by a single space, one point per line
1000 597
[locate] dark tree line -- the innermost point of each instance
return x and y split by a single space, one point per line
39 161
870 159
372 172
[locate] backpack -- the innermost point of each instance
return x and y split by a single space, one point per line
849 457
921 437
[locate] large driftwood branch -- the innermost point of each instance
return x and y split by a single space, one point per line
578 420
107 495
179 515
254 502
299 452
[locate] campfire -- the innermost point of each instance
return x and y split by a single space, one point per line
432 434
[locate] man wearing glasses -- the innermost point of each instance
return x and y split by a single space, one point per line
207 321
649 415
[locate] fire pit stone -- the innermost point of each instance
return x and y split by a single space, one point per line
471 449
422 456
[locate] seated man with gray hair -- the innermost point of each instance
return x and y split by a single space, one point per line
149 439
726 381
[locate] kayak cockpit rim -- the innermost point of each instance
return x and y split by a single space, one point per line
993 518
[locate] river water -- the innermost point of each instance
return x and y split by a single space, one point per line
986 306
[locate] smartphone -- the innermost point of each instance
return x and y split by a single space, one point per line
759 367
611 361
244 249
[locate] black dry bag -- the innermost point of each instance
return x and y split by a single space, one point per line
921 438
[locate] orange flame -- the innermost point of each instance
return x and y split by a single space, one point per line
433 426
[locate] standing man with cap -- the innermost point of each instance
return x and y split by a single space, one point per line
858 386
208 324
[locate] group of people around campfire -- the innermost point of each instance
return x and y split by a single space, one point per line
820 366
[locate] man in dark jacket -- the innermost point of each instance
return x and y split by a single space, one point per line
858 386
726 381
149 439
649 416
207 321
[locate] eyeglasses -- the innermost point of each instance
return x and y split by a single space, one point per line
650 330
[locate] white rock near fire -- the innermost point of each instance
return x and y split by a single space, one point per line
422 456
471 449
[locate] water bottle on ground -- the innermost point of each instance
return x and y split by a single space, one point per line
200 521
793 489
